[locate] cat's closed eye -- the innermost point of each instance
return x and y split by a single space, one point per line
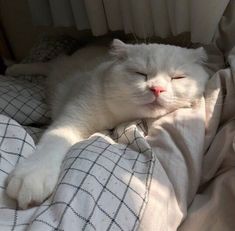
142 74
178 77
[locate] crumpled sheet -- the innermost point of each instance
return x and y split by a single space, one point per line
176 172
194 184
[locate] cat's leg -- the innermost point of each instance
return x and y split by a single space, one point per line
28 69
34 179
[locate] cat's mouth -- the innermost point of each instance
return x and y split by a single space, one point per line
153 101
156 103
168 103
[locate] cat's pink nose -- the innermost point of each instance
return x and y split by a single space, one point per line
157 90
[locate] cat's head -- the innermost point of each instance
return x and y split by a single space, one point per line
157 75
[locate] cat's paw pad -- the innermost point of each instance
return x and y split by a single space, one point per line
31 184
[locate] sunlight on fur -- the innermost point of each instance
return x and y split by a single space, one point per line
94 90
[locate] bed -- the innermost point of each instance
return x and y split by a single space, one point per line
176 172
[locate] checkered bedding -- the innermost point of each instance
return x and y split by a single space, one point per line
23 101
160 175
104 180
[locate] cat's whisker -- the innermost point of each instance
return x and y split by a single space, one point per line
187 100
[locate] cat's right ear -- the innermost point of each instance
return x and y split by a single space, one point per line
200 55
119 49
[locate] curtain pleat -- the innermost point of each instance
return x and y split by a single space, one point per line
178 12
80 14
41 12
141 18
113 14
161 23
126 16
96 16
61 11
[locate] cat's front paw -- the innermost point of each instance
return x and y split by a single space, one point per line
31 183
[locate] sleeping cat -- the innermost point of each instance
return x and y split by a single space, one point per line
94 90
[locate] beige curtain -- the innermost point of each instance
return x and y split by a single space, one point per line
143 18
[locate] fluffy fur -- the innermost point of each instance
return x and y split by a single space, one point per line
93 90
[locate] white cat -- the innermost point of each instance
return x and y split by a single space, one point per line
92 91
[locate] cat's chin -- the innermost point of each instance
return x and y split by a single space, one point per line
157 102
154 105
160 103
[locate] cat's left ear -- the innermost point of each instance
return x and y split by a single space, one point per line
201 55
119 49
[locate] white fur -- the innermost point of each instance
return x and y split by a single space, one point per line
89 94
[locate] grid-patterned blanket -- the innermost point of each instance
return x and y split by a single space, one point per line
23 100
103 185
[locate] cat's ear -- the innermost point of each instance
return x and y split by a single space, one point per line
200 55
119 49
